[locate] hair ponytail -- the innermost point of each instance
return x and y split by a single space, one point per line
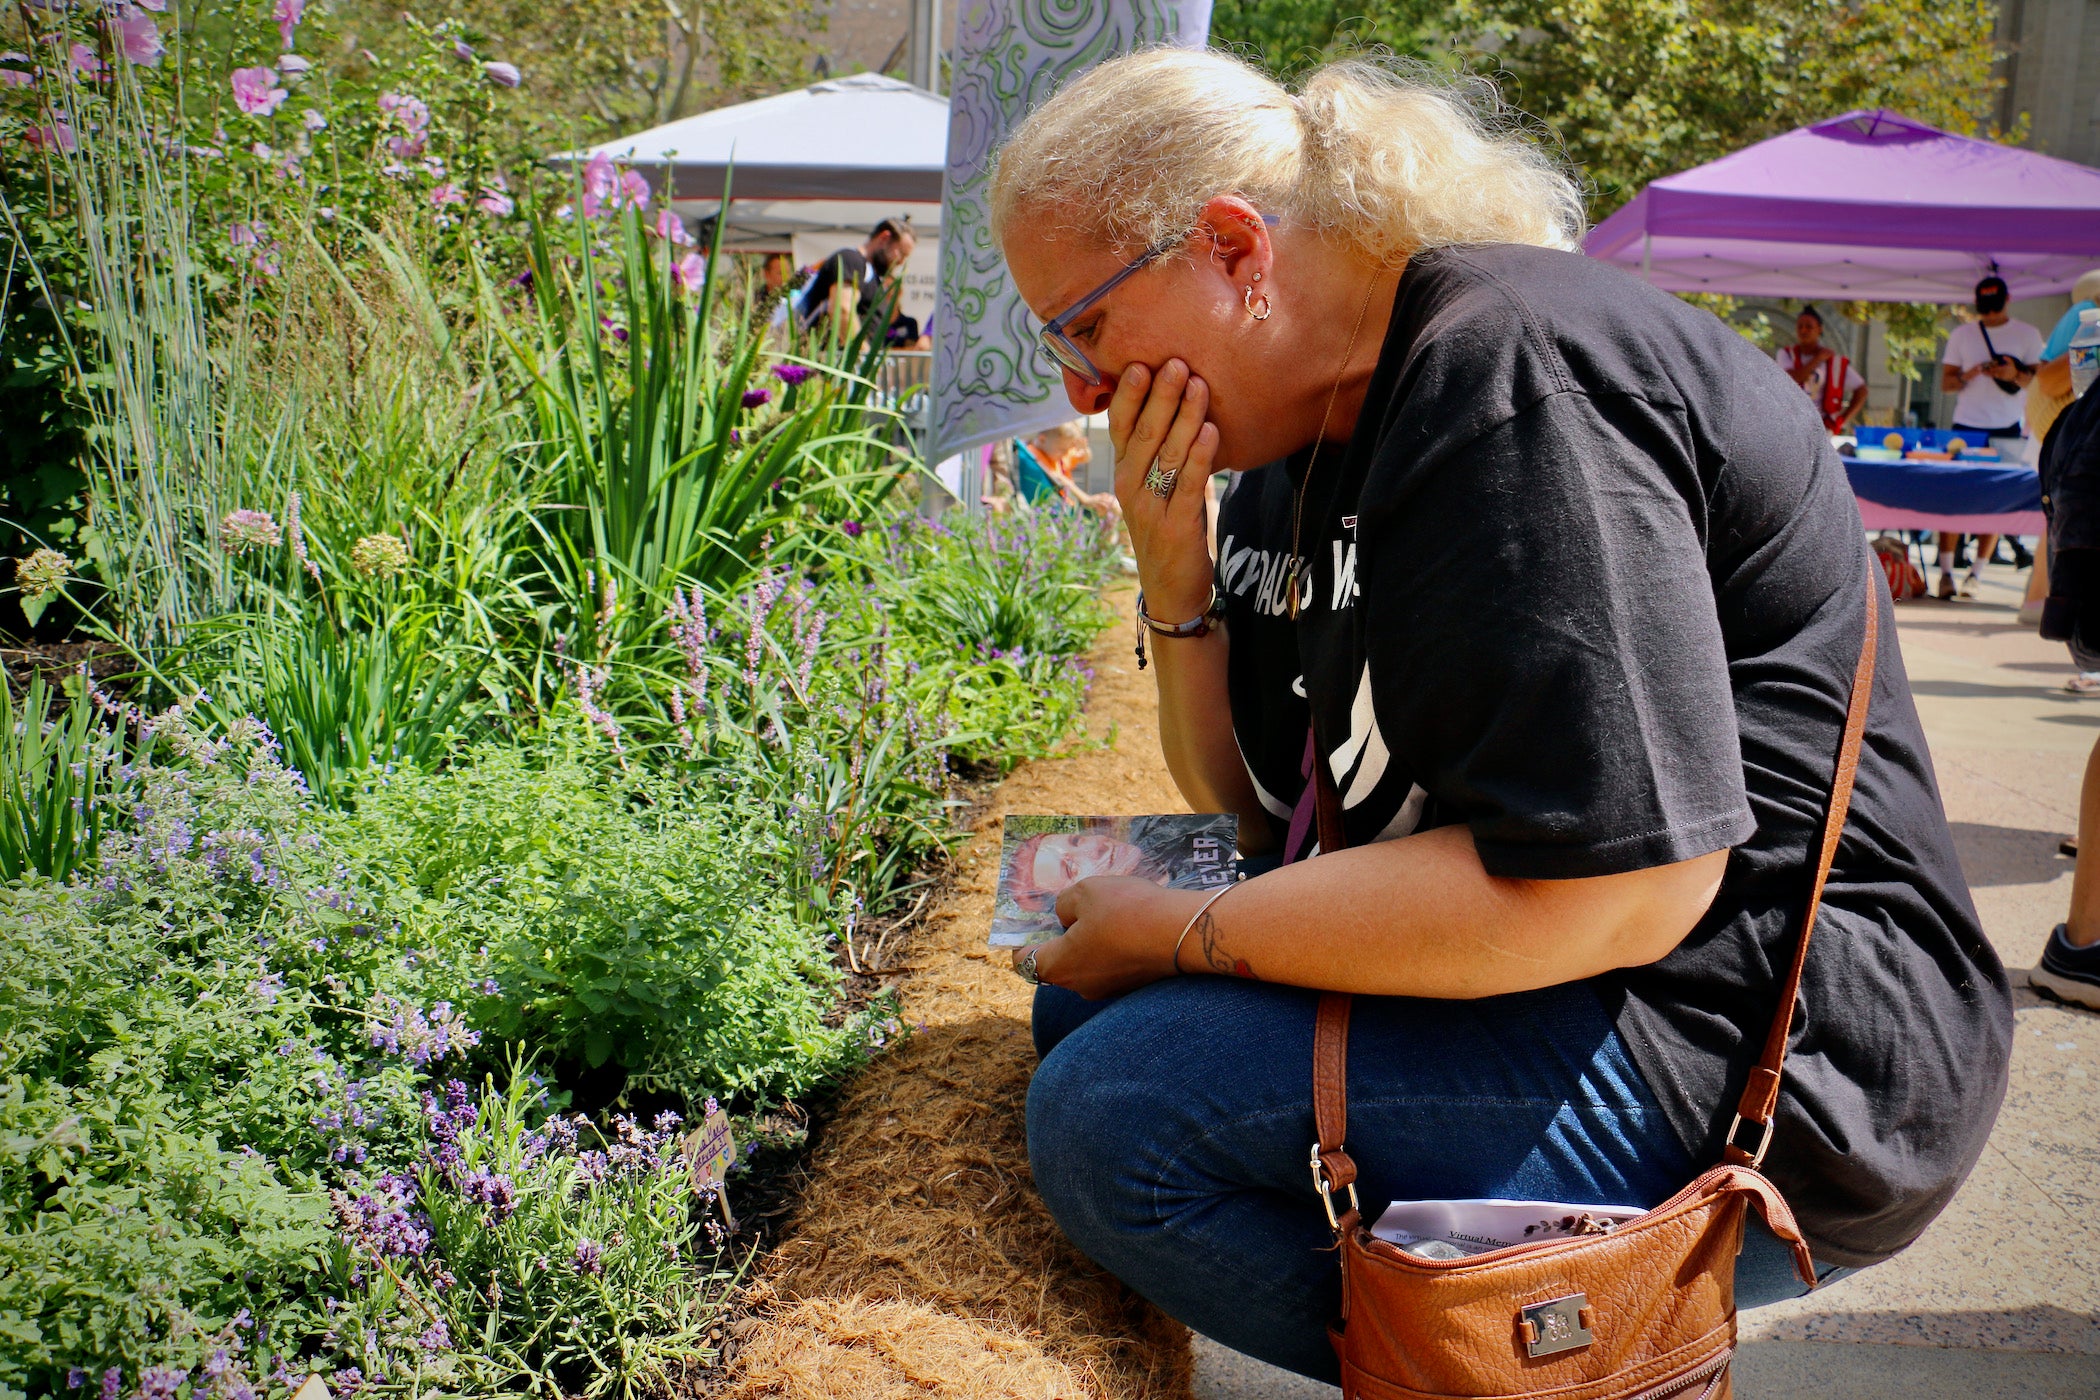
1389 158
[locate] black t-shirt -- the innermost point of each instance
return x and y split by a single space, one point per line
1590 580
848 265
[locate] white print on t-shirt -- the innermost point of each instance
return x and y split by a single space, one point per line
1365 752
1266 574
1360 764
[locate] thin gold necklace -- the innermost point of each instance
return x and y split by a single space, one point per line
1298 501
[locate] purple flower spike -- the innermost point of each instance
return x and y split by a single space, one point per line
590 1257
791 375
852 528
755 397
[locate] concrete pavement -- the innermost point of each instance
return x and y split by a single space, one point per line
2002 1295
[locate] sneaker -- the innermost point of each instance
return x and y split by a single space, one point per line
1969 583
1946 587
2068 974
2084 683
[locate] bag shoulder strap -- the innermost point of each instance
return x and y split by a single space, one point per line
1760 1098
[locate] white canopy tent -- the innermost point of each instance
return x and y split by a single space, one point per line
811 171
866 137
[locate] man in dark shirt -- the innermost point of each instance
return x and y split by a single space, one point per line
849 285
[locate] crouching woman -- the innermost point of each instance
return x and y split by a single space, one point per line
1558 580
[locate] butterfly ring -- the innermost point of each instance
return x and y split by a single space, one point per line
1160 481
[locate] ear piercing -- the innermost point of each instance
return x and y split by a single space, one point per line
1261 313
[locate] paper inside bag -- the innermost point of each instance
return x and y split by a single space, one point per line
1475 1227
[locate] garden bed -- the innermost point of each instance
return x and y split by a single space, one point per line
919 1260
480 700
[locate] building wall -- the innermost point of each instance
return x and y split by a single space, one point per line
2053 74
864 35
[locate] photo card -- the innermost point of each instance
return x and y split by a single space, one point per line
1041 855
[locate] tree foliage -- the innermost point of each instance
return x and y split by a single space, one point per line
1636 89
598 68
1640 88
1287 37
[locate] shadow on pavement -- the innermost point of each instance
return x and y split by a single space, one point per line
2007 855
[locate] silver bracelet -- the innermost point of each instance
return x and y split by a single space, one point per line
1200 910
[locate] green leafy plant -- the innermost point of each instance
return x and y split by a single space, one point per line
625 922
57 776
666 453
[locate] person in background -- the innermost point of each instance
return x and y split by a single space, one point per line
1989 362
1837 389
2051 393
852 282
1061 451
775 274
2069 969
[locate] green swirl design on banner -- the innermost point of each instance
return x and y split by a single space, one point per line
989 379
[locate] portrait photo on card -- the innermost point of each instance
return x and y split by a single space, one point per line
1040 856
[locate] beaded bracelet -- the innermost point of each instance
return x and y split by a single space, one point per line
1198 626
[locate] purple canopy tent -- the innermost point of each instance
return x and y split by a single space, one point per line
1870 206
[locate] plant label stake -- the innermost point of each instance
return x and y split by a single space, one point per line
710 1149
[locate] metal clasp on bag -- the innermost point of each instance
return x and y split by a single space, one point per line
1556 1325
1321 1185
1764 1143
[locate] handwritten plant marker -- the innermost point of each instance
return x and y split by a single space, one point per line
710 1149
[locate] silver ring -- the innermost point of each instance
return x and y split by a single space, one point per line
1161 483
1025 968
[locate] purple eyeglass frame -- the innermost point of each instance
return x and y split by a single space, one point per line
1063 349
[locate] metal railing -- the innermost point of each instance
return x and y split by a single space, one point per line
902 371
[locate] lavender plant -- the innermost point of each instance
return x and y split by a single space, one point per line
192 1042
525 1253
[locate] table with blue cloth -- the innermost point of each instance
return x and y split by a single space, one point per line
1970 498
1965 496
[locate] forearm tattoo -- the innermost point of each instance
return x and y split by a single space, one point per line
1211 941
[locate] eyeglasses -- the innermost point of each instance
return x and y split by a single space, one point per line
1063 349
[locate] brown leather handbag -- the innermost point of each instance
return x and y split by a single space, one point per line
1644 1312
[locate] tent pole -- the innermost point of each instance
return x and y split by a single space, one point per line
1646 276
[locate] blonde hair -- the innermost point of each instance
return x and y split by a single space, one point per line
1388 159
2087 287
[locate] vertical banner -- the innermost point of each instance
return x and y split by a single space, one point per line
989 381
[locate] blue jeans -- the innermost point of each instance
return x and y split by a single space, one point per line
1168 1132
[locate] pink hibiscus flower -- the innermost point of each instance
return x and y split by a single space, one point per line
139 37
669 225
597 184
255 93
58 136
289 13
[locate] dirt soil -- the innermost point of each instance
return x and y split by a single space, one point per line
920 1262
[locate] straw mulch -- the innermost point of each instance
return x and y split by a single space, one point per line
920 1261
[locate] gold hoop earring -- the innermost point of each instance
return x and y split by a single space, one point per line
1261 315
